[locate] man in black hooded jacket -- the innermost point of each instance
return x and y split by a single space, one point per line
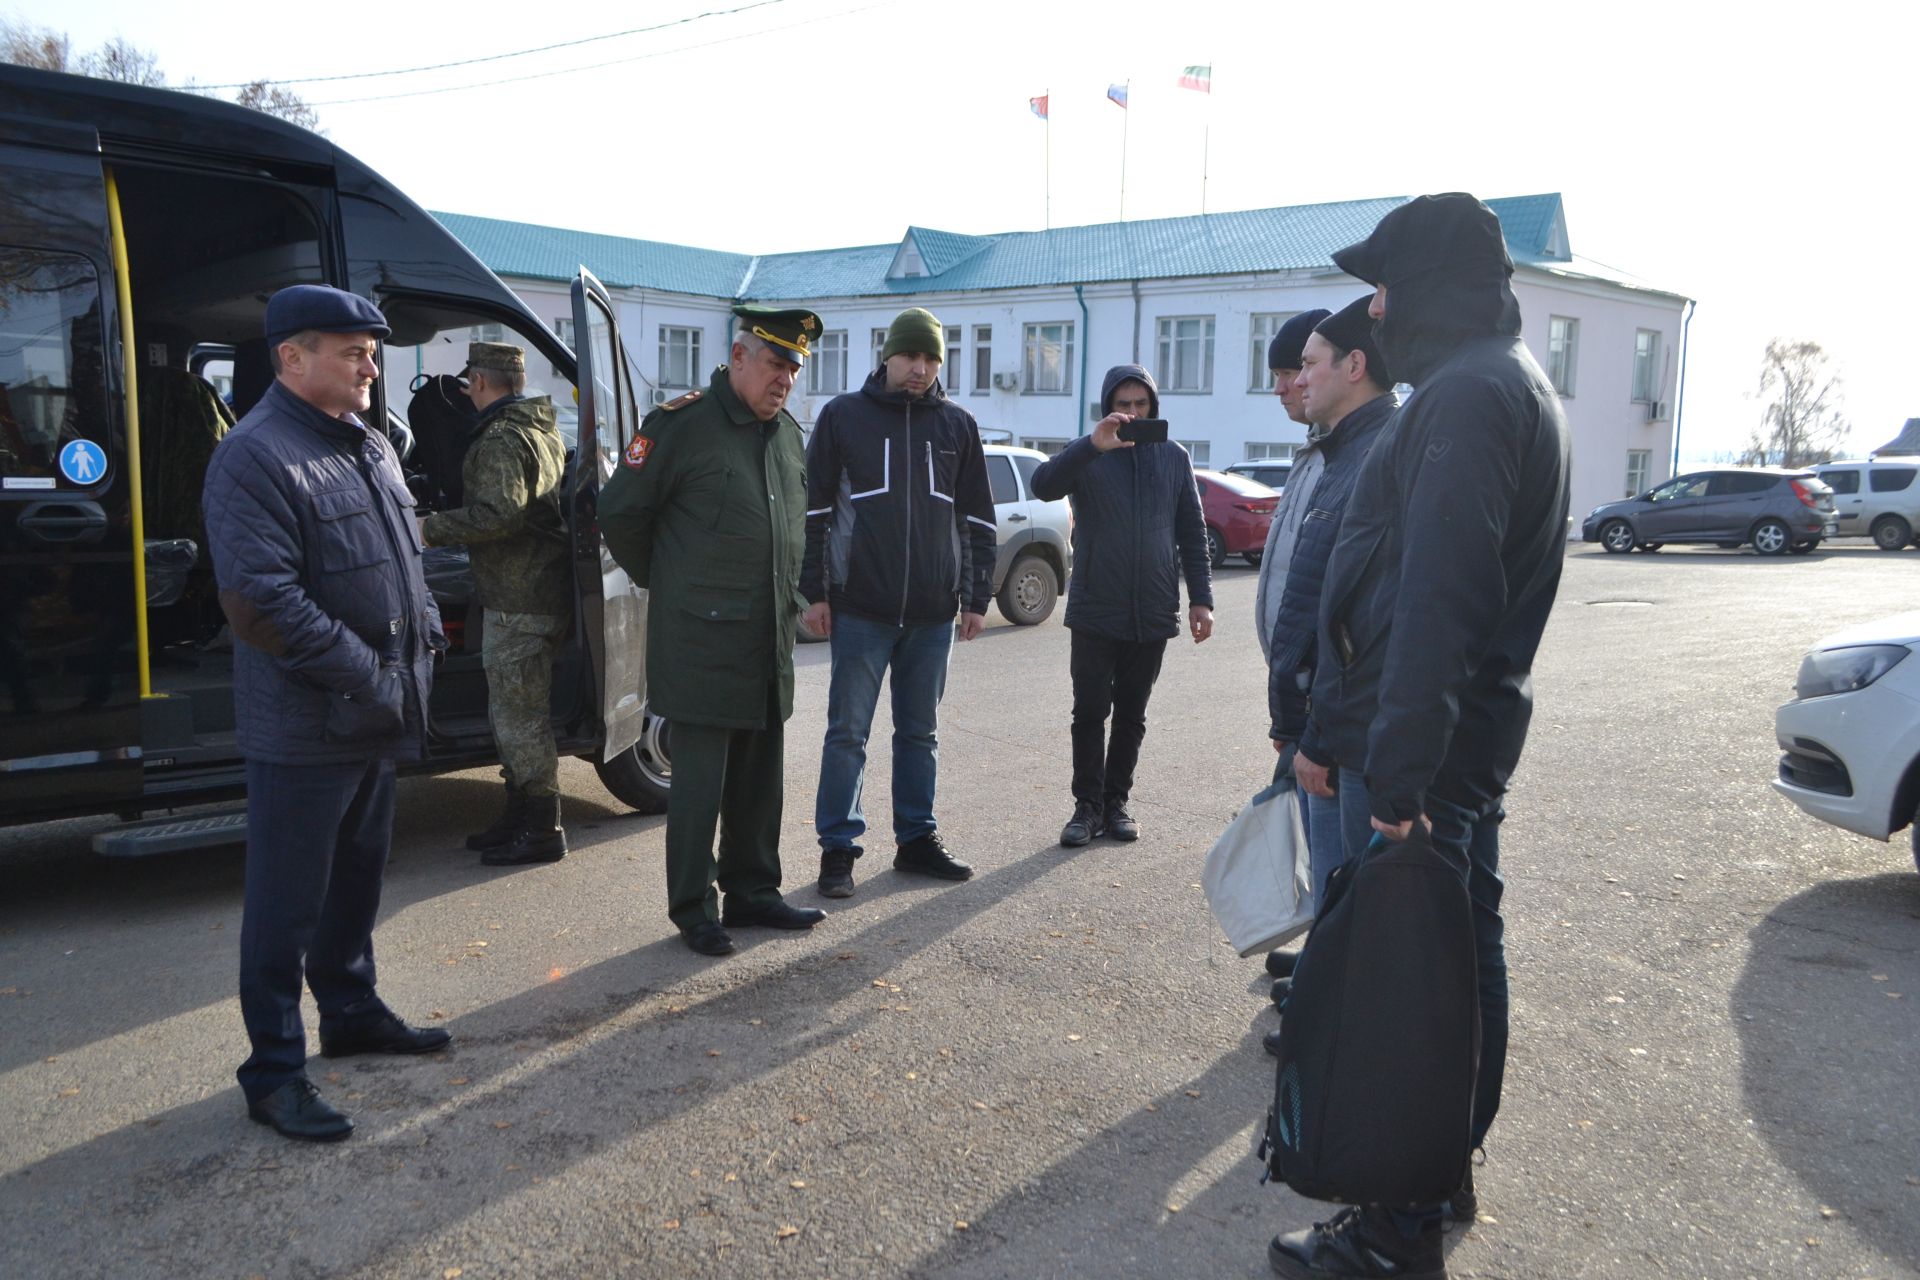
1435 598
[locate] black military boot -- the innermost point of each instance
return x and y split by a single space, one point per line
540 837
501 832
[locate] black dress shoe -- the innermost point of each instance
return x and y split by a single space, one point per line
1271 1043
1282 988
928 856
382 1033
708 938
1280 963
297 1110
780 915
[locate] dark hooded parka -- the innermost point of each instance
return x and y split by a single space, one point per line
1450 551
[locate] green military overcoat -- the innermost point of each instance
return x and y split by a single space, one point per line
707 511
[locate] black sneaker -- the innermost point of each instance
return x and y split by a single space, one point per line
1271 1043
1280 963
927 856
1120 824
1282 988
1358 1244
836 873
1463 1206
1083 826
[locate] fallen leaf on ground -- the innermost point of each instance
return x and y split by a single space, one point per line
981 1106
713 1053
801 1119
1827 1211
1073 1037
785 1232
798 1184
69 1093
451 1273
960 1225
503 1124
913 1075
671 1224
1193 1093
1880 977
437 1013
458 1080
1151 1106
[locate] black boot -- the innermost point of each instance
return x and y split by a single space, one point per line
501 832
540 837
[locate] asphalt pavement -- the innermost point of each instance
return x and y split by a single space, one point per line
1051 1070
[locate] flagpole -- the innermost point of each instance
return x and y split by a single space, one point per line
1206 138
1126 109
1048 99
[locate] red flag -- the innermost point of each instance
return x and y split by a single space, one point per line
1038 106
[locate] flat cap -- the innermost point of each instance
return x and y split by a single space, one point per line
791 330
321 309
503 357
1284 351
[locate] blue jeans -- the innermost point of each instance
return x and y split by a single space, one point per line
1338 827
862 651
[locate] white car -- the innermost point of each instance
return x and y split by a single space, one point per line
1851 737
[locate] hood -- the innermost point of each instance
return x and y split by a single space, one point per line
1901 628
1444 262
1121 373
875 388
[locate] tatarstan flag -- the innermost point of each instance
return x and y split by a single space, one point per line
1198 77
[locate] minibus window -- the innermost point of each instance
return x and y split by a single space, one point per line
52 374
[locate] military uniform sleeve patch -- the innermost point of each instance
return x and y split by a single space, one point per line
681 402
637 450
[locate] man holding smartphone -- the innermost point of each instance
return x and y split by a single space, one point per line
1124 605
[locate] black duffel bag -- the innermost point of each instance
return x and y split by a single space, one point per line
1380 1042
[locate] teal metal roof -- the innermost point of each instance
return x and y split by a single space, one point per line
1291 238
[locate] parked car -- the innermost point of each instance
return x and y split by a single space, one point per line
1035 540
1272 472
1850 739
1878 499
1237 512
1777 510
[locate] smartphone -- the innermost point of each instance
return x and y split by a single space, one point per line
1145 431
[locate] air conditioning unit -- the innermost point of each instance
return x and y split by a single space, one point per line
662 394
1656 411
1006 381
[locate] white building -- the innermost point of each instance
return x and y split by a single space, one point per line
1034 319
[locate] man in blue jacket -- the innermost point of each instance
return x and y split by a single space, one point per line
1435 598
900 536
317 556
1137 527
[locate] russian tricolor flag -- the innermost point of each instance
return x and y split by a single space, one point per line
1117 94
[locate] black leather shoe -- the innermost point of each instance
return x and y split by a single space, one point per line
708 938
780 915
836 873
1280 963
927 856
1120 824
1282 988
1358 1244
1271 1043
1084 826
296 1110
382 1033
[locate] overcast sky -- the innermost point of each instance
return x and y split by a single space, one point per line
1755 158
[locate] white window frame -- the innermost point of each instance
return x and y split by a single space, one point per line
487 333
955 359
1646 365
682 338
982 359
1175 369
1033 344
1639 463
1269 451
1048 445
879 345
1261 328
1563 353
1201 451
563 330
827 370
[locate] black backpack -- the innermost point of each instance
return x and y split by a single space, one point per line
1380 1042
442 419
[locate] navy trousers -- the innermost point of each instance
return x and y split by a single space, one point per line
317 841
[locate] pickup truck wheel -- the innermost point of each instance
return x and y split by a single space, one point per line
1029 592
1891 533
1216 547
641 776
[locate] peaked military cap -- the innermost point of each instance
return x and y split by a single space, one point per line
792 331
501 357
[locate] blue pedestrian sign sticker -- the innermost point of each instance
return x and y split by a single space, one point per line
83 462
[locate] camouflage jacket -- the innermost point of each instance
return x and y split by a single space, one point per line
511 521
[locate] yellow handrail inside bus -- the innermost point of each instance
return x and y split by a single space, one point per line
129 361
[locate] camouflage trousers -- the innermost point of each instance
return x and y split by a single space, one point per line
517 651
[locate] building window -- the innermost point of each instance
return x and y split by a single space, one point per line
1639 467
1646 365
563 330
679 356
879 345
956 361
1261 452
1259 337
827 371
1201 451
982 359
1186 354
1049 360
1044 444
487 333
1563 351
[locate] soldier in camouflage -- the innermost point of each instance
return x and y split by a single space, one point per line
516 534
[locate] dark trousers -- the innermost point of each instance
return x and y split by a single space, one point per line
317 840
729 779
1110 676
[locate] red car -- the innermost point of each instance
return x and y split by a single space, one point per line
1237 512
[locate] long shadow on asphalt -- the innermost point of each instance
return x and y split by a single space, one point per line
164 1178
1828 1010
181 914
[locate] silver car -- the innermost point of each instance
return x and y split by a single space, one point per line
1775 509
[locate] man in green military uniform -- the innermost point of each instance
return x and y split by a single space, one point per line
516 534
707 511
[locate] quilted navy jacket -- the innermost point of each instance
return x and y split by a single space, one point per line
317 557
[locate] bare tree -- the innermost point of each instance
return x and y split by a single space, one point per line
122 60
26 45
264 95
1801 421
